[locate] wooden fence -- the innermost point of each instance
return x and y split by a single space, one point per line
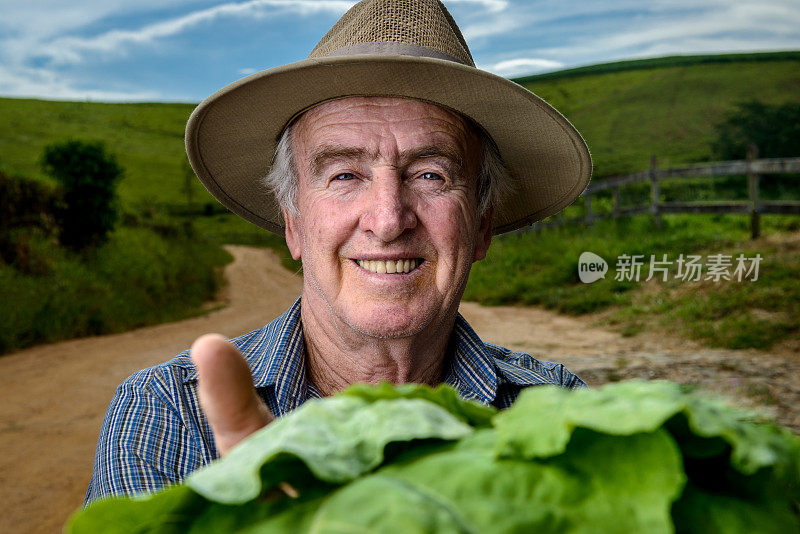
752 167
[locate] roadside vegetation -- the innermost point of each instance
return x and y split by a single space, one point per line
68 269
142 275
542 269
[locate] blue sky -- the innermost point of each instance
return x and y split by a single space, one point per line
184 50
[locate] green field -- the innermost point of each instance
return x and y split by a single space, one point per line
625 116
146 138
669 111
626 111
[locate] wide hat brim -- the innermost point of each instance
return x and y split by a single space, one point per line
231 136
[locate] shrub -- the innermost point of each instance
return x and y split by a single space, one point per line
138 277
89 176
774 129
25 207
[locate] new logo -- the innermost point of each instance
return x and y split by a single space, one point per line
591 267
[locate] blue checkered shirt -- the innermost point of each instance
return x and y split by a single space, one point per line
154 433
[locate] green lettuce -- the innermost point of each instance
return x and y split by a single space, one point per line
629 457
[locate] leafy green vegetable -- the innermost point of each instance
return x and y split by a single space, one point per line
542 421
572 493
630 457
475 414
338 440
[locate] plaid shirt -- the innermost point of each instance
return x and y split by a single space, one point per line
154 433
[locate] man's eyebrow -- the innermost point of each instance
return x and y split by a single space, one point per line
337 152
435 151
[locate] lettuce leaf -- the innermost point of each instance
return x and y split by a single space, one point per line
468 489
323 442
541 422
472 413
630 457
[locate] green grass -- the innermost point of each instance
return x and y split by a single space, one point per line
139 277
147 139
668 111
541 269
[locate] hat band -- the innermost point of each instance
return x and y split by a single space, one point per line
391 48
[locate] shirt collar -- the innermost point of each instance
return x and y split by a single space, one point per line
276 356
472 369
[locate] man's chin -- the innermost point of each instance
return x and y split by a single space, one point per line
391 328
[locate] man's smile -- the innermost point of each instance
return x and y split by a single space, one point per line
391 266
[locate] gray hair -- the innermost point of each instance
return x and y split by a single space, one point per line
494 180
282 178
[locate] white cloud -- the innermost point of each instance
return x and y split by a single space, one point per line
73 49
519 66
32 34
43 83
683 28
497 25
490 5
42 50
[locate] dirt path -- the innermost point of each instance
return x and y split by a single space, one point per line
764 381
53 397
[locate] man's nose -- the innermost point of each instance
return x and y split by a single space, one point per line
388 211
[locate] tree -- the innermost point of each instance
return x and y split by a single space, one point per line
774 129
88 175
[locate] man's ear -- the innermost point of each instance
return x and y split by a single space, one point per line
292 233
484 236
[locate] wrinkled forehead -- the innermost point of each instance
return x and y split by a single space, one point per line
365 120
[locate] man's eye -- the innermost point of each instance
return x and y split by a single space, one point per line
430 176
344 176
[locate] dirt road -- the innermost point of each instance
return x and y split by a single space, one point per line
53 397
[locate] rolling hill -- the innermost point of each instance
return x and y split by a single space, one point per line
626 110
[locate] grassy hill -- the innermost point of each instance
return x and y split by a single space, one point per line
667 107
626 111
146 138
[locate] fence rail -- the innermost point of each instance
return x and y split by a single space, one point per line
752 167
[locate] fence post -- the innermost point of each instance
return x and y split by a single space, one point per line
615 213
752 181
655 192
587 198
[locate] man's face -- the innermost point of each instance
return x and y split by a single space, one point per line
386 184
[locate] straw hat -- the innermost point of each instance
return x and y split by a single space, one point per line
397 48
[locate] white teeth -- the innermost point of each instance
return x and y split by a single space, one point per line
389 267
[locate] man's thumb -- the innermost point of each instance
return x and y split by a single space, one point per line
226 392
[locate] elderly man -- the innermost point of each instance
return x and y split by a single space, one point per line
395 160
